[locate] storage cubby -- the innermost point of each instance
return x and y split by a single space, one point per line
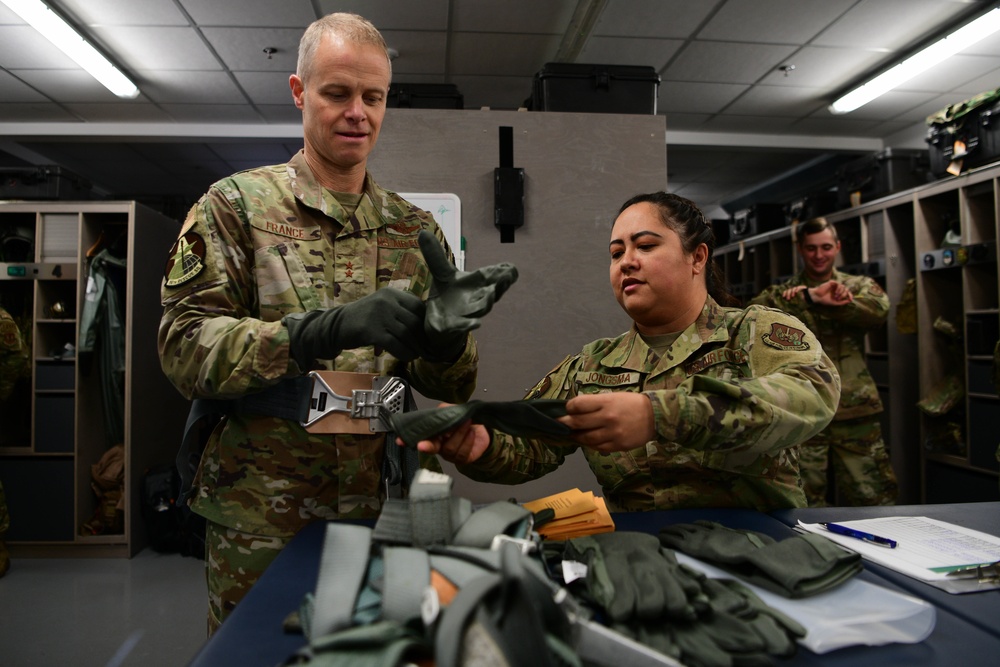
54 425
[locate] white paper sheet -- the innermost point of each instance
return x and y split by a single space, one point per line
927 549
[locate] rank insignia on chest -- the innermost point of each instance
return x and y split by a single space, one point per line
784 337
186 259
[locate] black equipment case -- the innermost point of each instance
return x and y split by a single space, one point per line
810 206
967 133
42 182
425 96
881 174
756 219
595 88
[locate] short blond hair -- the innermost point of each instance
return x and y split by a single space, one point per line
350 27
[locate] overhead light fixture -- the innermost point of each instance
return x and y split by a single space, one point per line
960 39
52 26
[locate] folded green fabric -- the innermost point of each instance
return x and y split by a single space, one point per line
796 567
530 418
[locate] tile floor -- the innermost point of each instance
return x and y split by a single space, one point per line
148 611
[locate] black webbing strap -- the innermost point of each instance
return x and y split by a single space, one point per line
289 399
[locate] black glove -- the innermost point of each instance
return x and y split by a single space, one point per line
388 318
629 576
458 299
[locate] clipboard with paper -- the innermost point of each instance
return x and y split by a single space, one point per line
944 555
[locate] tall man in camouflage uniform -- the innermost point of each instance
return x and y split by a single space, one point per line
296 267
698 405
840 309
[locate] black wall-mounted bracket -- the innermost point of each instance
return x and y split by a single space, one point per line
508 189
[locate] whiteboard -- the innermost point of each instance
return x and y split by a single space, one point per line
447 211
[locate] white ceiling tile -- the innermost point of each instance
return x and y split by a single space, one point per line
513 16
686 97
219 113
14 90
685 121
773 21
242 49
280 113
266 87
182 87
652 18
778 101
986 47
746 123
123 12
889 25
67 85
157 48
951 74
419 52
393 14
725 62
832 126
621 51
889 105
21 47
260 13
33 112
990 81
828 67
496 54
118 112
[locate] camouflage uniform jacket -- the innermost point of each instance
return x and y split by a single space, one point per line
841 330
259 245
13 354
731 398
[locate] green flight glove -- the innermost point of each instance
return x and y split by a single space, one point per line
458 300
629 577
777 630
796 567
529 418
388 318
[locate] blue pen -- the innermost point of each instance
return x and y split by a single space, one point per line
860 535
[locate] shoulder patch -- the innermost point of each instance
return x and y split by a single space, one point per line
784 337
876 288
186 260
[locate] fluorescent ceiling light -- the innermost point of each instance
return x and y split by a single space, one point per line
70 42
964 37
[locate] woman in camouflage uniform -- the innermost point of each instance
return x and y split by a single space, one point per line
698 405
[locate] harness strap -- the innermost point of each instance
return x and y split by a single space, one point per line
494 519
407 576
342 568
289 399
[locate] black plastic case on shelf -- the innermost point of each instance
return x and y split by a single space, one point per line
974 139
810 206
42 182
425 96
880 174
595 88
756 219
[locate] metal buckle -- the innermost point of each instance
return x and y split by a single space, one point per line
523 545
387 396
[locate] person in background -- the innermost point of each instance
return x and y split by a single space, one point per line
304 266
697 405
840 309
